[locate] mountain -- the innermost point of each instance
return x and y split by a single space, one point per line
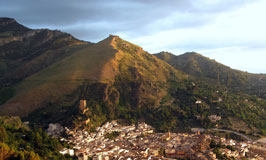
199 66
24 51
48 76
110 73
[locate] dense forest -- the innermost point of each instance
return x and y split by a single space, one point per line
21 142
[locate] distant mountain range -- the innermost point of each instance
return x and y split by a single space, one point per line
44 74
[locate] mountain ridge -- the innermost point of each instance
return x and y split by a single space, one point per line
197 65
102 59
10 24
118 80
24 51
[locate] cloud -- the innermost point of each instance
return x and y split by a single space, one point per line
241 27
133 18
216 28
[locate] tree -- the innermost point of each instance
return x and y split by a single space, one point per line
5 151
3 134
33 156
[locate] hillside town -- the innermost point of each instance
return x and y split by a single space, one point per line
114 141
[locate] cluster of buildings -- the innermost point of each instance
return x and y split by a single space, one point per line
139 142
241 150
214 118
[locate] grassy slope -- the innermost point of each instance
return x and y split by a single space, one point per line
113 74
62 78
25 51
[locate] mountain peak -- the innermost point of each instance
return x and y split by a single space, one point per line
165 53
192 54
109 40
10 24
166 56
120 44
113 36
4 20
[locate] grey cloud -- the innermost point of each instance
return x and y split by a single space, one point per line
132 17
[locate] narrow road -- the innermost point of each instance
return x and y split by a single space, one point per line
229 131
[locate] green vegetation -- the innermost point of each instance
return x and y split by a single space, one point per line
17 141
216 149
120 80
7 153
239 91
165 99
219 155
209 70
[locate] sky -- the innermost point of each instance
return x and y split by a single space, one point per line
232 32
